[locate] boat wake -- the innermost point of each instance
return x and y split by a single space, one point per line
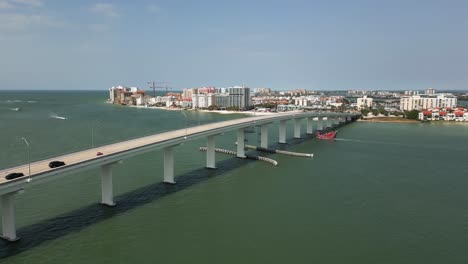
372 142
15 109
58 117
353 140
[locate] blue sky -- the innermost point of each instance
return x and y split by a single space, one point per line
334 44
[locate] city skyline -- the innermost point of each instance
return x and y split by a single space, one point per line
333 45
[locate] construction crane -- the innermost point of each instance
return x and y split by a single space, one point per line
154 86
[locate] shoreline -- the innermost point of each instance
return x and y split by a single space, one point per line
223 112
388 120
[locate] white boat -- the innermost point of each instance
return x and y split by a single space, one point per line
15 109
59 117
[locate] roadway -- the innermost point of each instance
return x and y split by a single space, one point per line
116 149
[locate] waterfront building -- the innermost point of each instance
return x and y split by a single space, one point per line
239 96
138 97
115 91
419 102
126 95
446 113
364 102
187 93
202 100
222 100
184 103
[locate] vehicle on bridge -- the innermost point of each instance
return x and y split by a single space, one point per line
14 175
329 135
56 163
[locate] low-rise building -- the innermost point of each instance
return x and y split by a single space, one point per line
447 114
364 102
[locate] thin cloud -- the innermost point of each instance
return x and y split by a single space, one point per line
16 22
4 4
154 9
100 28
33 3
105 9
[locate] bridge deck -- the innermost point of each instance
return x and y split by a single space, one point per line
114 150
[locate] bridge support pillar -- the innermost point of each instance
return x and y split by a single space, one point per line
324 122
297 128
319 123
329 123
282 132
240 143
210 153
310 129
264 136
8 217
348 118
169 165
107 189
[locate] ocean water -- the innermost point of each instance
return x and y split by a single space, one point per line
380 193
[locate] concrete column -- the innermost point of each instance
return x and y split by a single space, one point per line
107 189
310 129
320 123
169 165
210 153
282 132
8 217
297 128
264 136
324 122
240 143
348 118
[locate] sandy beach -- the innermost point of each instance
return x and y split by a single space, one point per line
224 112
388 120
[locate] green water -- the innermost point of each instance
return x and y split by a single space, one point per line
381 193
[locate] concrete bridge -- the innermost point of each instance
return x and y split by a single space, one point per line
39 172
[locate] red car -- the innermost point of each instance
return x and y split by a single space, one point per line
99 154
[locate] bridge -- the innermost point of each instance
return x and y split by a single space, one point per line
39 172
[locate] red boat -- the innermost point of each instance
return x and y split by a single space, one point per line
329 135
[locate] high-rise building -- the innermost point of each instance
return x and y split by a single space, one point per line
420 102
187 93
202 100
239 97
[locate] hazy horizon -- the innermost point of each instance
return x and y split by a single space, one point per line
149 90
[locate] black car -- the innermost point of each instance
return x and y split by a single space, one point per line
14 175
56 163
